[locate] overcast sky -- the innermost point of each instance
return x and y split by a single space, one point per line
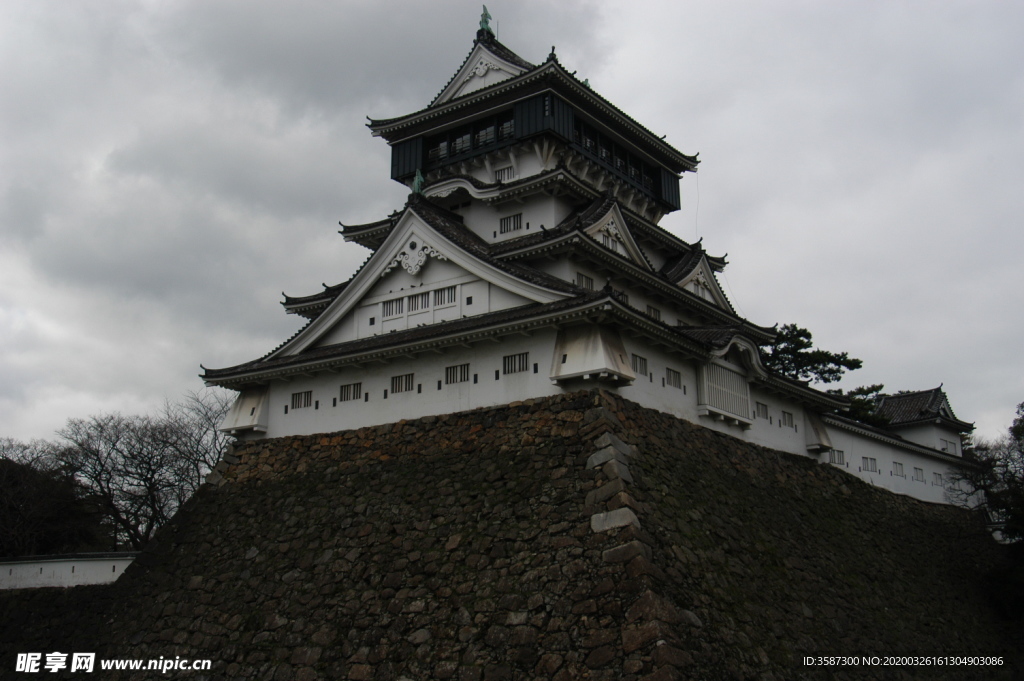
168 168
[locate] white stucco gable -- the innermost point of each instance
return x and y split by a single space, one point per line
702 283
482 69
411 248
611 232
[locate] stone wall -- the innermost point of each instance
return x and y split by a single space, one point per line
578 536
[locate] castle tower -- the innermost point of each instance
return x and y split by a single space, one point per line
527 262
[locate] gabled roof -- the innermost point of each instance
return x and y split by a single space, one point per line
371 234
548 76
913 408
425 230
486 55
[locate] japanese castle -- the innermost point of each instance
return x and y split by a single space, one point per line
528 261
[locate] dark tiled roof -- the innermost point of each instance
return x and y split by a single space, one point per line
713 336
685 162
329 293
914 407
677 268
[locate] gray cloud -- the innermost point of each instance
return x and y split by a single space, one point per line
168 169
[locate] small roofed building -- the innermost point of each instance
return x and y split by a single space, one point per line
527 261
914 450
926 418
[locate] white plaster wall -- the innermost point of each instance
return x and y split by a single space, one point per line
484 219
771 432
855 447
425 399
71 571
490 77
931 435
485 358
473 297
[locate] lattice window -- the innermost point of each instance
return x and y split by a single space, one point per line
673 379
505 174
654 312
420 301
761 410
393 308
352 391
401 384
787 419
897 469
919 474
513 364
302 400
724 390
444 296
583 281
456 374
639 365
869 464
511 223
837 456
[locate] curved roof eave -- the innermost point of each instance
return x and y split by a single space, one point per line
552 69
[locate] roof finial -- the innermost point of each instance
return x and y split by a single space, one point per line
551 56
485 21
417 183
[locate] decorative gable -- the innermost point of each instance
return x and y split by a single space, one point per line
701 282
483 68
611 232
413 261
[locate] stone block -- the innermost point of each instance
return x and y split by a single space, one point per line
623 499
615 469
640 566
651 606
604 455
636 637
620 517
605 492
599 657
626 552
611 440
665 654
691 619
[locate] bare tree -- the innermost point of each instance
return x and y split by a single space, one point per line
143 468
995 480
